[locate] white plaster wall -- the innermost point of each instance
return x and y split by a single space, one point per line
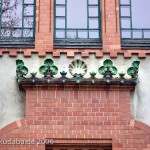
12 101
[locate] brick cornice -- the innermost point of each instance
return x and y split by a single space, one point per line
142 54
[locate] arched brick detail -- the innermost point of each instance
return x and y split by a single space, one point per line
12 126
142 126
23 123
20 129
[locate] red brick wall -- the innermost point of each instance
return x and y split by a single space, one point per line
82 114
44 33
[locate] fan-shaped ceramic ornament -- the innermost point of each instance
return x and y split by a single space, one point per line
78 67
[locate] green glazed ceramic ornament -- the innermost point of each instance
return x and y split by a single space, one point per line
48 68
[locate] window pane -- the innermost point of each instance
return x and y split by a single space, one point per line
147 34
140 13
71 34
5 32
28 22
27 33
125 23
126 2
28 10
76 14
16 32
60 11
137 34
93 23
60 34
60 1
94 34
29 1
93 11
11 17
126 34
95 2
60 22
82 34
125 11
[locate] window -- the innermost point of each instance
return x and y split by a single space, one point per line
77 23
17 23
135 23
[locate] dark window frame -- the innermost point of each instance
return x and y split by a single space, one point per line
19 42
132 43
82 43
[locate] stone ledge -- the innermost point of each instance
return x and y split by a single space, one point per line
85 87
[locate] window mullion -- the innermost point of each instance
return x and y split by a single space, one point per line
88 17
131 18
0 15
22 17
34 18
143 34
55 18
11 28
99 19
65 18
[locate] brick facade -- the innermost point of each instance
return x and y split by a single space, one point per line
78 114
44 34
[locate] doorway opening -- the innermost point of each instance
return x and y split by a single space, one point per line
90 146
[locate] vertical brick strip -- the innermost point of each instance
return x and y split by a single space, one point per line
104 15
39 7
116 15
50 15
